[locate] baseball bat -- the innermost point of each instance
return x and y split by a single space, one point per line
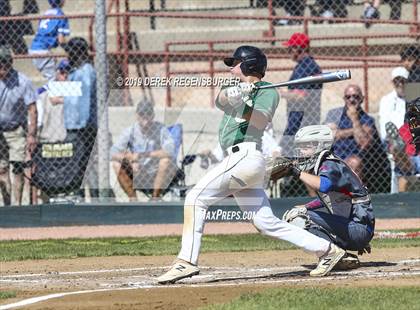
326 77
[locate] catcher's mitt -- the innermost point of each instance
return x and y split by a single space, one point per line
279 167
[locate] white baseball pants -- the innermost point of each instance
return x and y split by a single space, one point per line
240 174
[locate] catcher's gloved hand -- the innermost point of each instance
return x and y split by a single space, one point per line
234 95
283 167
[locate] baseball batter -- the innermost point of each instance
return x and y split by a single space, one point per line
247 111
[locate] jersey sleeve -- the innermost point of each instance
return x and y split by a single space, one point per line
63 27
30 96
266 102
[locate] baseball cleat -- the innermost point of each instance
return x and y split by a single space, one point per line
328 261
349 261
180 270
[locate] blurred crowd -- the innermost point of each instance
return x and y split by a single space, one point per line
47 135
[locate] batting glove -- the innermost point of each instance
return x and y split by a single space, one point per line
234 96
246 88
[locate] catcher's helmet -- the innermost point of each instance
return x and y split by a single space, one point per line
252 60
310 141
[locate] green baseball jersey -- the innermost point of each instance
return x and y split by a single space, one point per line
235 129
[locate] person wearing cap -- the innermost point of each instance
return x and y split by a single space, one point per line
80 110
51 33
392 105
405 161
143 157
18 126
410 58
303 101
50 108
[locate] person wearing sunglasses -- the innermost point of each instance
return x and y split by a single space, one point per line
357 142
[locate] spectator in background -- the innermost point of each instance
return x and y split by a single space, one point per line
357 141
392 105
392 110
51 33
12 31
80 112
303 101
293 8
143 156
51 109
410 58
407 159
329 9
18 125
371 10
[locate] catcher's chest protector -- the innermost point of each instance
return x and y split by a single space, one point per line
347 185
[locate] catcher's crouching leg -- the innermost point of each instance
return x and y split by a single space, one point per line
299 216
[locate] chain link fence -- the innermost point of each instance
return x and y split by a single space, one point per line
126 104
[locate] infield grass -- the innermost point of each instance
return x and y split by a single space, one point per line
7 294
315 298
147 246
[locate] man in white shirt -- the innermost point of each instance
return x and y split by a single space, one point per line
392 110
392 105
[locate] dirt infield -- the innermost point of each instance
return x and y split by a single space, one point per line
129 282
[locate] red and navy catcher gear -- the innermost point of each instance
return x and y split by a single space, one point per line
253 61
413 117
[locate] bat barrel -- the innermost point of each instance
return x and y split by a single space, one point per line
327 77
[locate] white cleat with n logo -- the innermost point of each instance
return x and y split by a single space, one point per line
180 270
328 261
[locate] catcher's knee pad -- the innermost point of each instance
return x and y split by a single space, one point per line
298 216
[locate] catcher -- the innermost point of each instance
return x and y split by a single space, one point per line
413 118
343 212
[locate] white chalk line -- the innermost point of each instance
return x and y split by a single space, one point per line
132 286
82 272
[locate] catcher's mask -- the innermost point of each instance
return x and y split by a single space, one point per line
310 141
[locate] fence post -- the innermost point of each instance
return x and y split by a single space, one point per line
102 139
365 52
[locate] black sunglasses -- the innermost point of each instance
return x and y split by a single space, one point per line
348 97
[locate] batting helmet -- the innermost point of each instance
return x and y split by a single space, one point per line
55 3
253 60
